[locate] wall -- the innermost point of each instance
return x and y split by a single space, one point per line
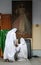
36 10
36 30
36 37
6 6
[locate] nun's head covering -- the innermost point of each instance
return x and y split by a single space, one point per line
14 30
22 41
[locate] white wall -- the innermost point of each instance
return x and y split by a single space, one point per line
5 6
36 15
36 33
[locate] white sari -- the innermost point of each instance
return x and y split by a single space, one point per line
23 49
9 50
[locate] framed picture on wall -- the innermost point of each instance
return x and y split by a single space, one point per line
22 17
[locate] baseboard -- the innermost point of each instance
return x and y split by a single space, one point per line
36 52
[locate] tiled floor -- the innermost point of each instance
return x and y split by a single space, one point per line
33 61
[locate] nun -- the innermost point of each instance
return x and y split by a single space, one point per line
22 55
10 49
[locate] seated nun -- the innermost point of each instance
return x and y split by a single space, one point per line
10 49
22 55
